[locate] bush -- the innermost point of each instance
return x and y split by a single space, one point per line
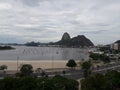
101 57
31 83
109 81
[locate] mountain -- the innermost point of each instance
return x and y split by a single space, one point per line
32 43
117 41
81 40
78 41
6 48
66 36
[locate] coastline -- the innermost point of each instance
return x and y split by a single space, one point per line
44 64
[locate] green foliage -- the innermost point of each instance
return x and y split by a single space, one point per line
94 56
102 57
62 83
26 70
30 83
104 49
41 72
3 67
86 66
27 83
115 51
109 81
112 80
71 63
93 83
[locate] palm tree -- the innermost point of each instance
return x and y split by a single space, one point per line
87 66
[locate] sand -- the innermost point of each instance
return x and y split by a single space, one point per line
44 64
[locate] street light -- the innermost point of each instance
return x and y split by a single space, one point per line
52 62
53 59
17 63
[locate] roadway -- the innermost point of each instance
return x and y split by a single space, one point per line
74 74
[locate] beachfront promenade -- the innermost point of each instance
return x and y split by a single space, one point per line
74 74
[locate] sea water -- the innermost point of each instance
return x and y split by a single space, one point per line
44 53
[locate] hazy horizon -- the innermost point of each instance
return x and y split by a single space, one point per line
46 20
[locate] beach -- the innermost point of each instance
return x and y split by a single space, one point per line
44 64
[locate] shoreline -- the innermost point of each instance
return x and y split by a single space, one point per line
44 64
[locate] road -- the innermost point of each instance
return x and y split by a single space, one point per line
78 74
74 74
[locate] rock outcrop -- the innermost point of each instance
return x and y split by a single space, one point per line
78 41
66 36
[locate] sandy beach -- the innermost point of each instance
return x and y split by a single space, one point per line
45 64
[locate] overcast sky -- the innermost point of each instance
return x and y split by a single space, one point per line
47 20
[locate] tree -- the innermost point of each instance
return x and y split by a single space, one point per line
62 83
63 72
95 56
109 81
86 67
31 83
3 67
104 49
41 72
102 57
96 82
112 79
71 63
26 70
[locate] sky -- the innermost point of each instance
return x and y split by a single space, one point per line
46 20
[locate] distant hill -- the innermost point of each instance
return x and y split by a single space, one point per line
66 40
6 48
32 43
117 41
78 41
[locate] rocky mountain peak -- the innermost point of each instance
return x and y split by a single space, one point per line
78 41
66 36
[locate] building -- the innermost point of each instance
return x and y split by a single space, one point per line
116 45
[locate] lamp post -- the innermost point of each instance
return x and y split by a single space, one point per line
53 59
17 63
56 53
52 62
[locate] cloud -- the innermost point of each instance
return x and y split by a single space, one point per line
30 2
47 20
5 6
26 26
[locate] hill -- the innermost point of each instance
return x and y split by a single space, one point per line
78 41
117 41
6 48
